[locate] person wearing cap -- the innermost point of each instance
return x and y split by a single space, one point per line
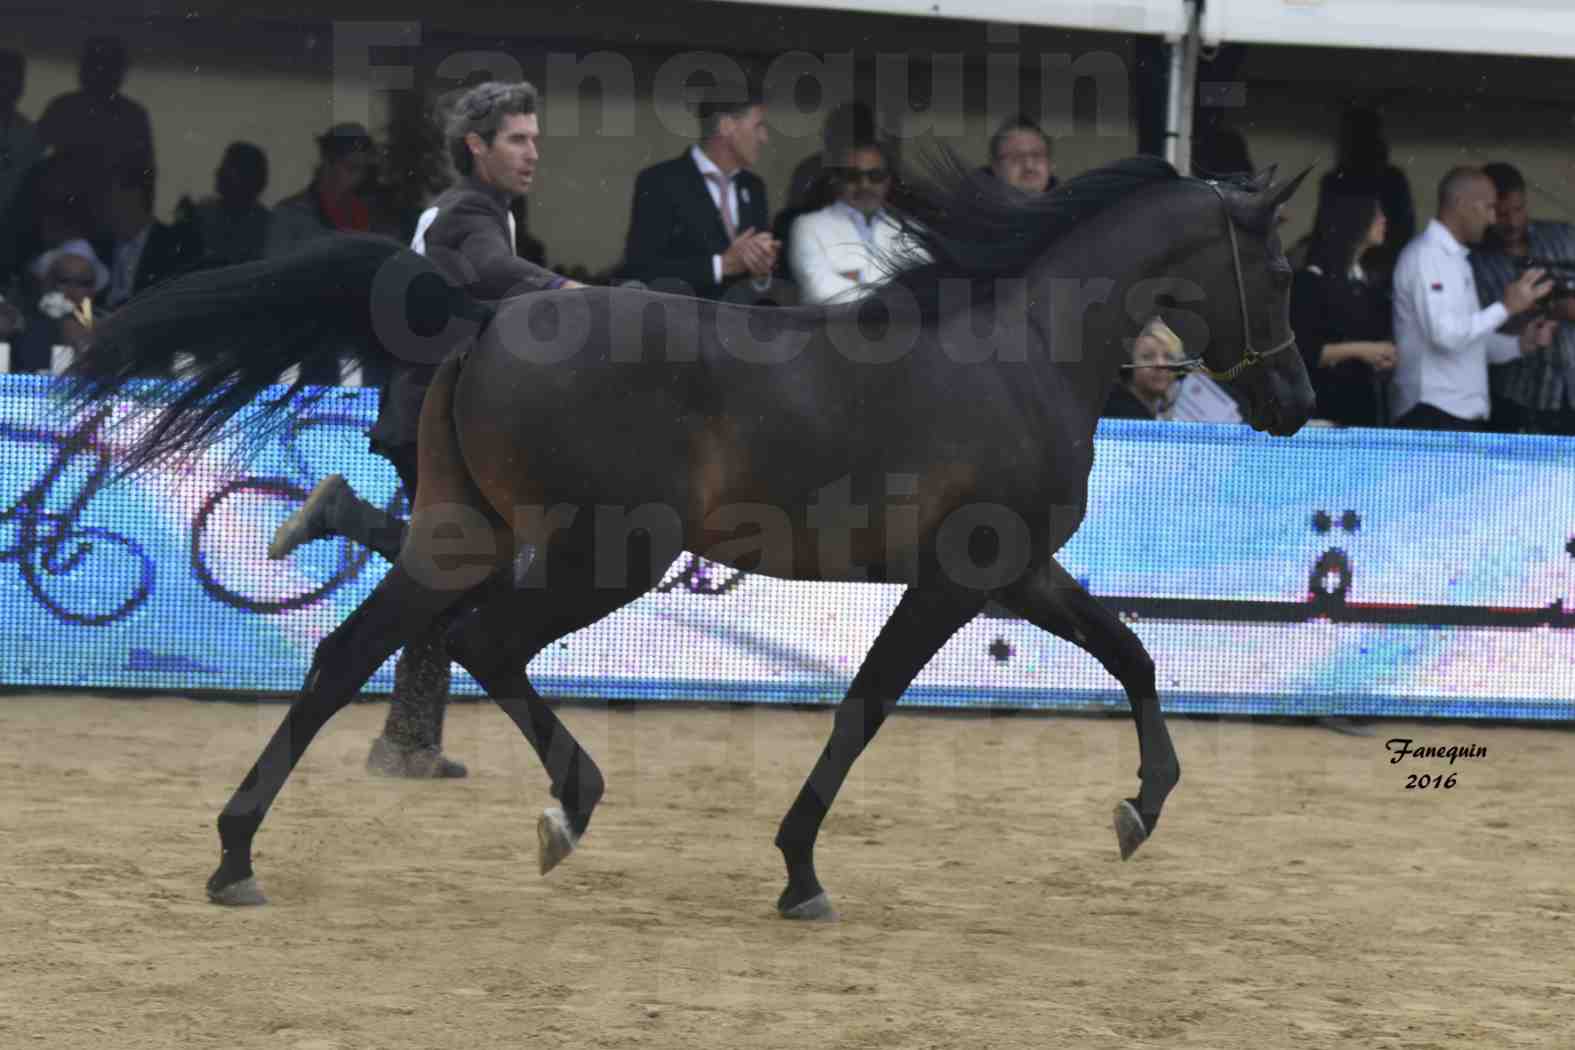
332 202
41 266
69 277
468 233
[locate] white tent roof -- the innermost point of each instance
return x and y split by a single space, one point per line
1502 27
1159 17
1543 28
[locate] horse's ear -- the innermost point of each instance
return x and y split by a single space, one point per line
1264 179
1278 195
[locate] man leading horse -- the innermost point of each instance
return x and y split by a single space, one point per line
468 232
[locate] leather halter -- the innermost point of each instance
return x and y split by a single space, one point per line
1251 356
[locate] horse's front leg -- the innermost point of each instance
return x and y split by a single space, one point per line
922 622
1050 598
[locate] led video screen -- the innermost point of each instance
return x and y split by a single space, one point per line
1338 571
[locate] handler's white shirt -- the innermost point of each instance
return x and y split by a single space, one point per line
419 241
1444 338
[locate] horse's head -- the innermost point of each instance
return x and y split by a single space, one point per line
1246 285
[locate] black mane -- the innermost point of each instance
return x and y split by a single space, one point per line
975 227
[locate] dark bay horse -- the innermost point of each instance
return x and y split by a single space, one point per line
940 434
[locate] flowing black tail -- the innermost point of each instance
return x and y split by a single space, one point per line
241 327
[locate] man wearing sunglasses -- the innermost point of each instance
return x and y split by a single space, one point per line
836 253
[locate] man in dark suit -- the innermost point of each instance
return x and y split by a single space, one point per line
146 250
468 233
700 222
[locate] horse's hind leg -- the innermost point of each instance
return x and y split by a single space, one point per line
923 621
513 623
1051 599
420 587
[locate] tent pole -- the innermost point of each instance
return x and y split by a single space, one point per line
1180 88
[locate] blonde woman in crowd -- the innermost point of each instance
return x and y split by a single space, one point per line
1148 390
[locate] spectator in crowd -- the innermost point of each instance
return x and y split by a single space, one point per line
11 324
1362 167
146 250
1148 390
811 187
841 249
699 222
98 119
61 199
333 201
1022 155
1443 336
1342 320
845 124
1535 393
62 214
20 150
72 275
232 225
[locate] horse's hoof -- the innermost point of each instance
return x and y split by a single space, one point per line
1347 726
242 893
555 840
1130 832
817 909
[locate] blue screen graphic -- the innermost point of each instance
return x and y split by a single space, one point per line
1339 571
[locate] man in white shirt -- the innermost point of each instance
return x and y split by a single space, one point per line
836 253
1444 341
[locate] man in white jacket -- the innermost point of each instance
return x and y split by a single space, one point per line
836 253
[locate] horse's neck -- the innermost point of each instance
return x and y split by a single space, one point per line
1080 299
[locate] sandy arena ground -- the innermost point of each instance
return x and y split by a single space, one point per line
1296 894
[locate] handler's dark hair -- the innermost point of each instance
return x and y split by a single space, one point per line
481 110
